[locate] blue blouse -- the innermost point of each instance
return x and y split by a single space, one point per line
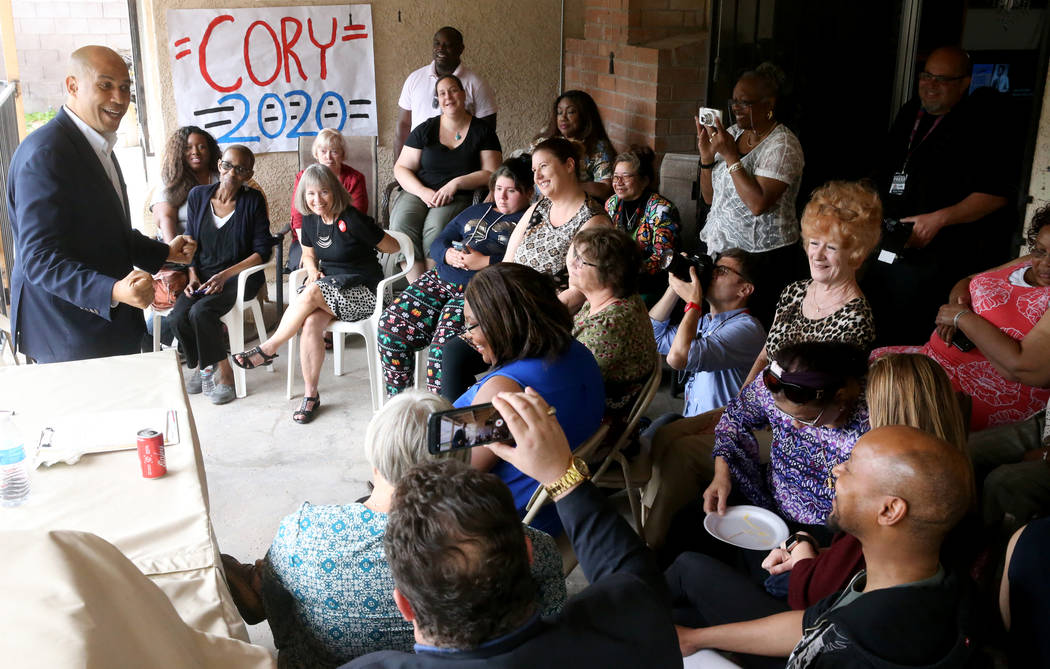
572 384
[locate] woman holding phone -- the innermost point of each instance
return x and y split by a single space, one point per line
515 321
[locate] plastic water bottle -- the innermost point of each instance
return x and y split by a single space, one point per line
208 380
14 471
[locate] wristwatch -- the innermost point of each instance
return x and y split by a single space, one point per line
576 472
799 537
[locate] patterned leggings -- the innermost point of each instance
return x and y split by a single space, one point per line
429 310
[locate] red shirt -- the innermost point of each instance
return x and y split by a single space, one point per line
813 580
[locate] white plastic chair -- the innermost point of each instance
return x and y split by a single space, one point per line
366 327
234 320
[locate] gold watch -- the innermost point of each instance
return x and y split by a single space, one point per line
576 472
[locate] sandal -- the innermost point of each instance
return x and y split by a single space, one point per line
244 360
304 415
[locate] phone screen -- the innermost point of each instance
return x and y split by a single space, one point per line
466 428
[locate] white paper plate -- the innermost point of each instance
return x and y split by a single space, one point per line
746 526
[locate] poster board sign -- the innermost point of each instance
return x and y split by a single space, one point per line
266 76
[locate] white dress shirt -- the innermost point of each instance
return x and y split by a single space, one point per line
102 145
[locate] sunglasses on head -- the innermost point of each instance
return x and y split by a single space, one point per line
793 391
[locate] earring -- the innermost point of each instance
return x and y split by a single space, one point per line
769 114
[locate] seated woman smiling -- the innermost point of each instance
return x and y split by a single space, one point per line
443 160
613 323
1000 363
516 322
228 220
342 272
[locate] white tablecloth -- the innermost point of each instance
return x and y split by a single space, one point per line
161 525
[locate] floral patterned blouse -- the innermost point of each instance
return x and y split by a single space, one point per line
329 562
620 337
797 482
655 229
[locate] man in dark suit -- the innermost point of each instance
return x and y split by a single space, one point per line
460 563
75 291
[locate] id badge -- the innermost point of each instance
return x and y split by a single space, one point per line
900 180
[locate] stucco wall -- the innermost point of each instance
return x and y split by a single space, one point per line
1039 187
513 45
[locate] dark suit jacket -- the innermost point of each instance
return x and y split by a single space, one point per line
622 619
73 239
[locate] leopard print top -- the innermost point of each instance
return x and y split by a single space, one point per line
544 246
851 323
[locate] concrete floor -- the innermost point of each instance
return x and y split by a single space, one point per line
261 465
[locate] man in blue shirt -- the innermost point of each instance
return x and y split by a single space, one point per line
718 349
717 352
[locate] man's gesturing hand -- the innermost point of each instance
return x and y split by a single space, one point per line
135 289
542 451
181 250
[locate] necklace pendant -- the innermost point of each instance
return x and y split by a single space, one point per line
829 482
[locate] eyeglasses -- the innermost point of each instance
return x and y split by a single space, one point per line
239 170
938 78
722 270
623 178
792 391
809 423
470 328
577 260
744 104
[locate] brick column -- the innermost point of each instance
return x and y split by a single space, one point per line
657 52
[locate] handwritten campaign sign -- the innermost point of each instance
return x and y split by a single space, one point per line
267 76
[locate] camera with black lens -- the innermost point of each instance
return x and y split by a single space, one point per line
895 234
679 264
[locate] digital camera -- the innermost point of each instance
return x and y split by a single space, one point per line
708 115
679 264
895 234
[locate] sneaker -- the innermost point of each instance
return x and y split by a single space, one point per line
223 394
193 384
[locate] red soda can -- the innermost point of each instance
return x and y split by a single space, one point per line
151 454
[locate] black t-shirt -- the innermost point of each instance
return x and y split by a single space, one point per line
345 250
439 164
948 164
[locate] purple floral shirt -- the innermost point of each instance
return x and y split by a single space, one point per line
795 483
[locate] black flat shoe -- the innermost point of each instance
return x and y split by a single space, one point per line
244 360
304 415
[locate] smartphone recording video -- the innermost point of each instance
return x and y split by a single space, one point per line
466 428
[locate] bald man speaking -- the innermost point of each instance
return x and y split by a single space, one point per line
899 493
75 291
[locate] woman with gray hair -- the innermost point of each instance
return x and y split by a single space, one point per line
329 149
325 585
342 271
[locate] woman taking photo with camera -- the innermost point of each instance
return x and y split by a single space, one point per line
750 174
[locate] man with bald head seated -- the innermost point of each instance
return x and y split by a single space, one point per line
899 493
931 177
75 292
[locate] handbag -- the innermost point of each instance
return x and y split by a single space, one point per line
168 284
